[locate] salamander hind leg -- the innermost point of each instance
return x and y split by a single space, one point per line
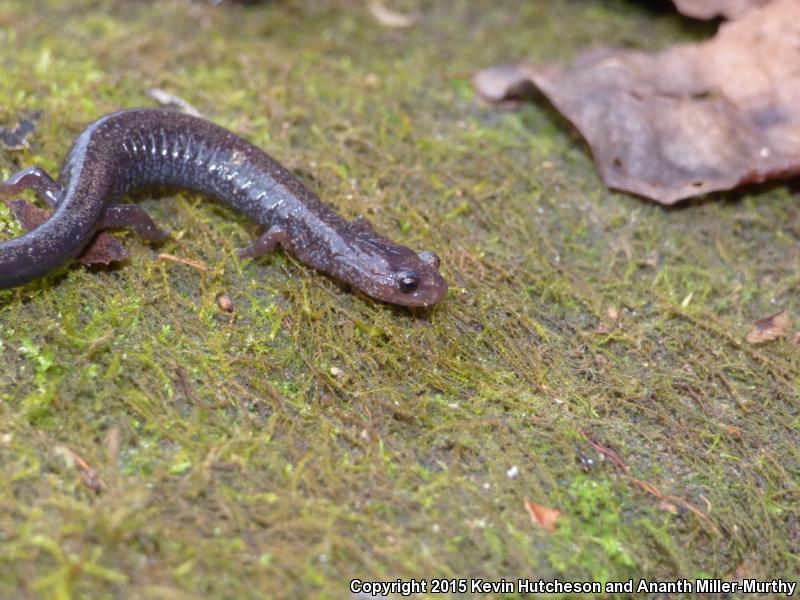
135 218
36 179
264 244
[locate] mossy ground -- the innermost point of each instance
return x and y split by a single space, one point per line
236 464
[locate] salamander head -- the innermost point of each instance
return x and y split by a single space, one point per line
389 272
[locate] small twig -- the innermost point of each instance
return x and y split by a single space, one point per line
654 491
649 487
609 454
89 476
195 264
187 388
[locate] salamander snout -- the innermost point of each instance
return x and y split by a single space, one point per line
417 283
388 271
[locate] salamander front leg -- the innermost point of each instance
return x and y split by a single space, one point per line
135 218
35 179
264 244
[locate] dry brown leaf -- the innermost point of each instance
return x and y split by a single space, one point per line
687 121
770 328
28 215
546 518
709 9
103 250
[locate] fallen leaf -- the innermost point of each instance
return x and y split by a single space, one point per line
28 215
503 83
770 328
709 9
546 518
687 121
390 18
103 250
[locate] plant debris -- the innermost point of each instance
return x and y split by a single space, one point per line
770 328
224 302
390 18
103 250
544 517
167 99
709 9
89 477
17 138
691 120
195 264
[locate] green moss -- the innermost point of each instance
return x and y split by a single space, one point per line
313 436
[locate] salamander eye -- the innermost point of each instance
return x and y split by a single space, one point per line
408 282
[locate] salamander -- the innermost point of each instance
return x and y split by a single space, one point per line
134 149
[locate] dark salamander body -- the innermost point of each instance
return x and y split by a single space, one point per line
136 149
